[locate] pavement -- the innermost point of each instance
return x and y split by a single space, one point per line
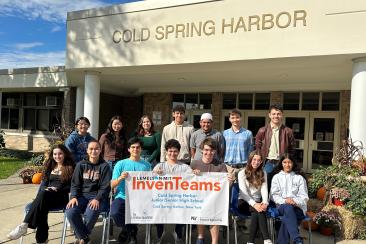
14 195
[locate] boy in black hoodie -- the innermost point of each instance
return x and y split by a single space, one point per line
89 192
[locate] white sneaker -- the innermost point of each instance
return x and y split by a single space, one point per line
19 231
268 241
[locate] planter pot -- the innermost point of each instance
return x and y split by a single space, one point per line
27 180
338 202
327 231
321 193
313 225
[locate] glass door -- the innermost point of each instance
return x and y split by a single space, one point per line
323 139
299 123
251 120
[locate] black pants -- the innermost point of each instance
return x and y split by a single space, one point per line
37 215
258 219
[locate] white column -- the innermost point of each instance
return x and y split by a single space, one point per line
91 101
79 110
357 120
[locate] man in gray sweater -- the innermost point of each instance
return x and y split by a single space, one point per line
180 131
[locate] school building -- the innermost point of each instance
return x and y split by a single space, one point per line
209 55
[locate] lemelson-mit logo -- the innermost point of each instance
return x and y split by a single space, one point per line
172 183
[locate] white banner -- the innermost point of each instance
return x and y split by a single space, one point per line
177 199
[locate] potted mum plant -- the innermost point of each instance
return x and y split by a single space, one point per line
339 195
329 221
27 173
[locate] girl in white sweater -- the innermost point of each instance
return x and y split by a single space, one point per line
254 192
290 193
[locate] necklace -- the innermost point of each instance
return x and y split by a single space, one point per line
57 171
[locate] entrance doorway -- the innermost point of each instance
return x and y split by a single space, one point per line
194 117
316 135
251 120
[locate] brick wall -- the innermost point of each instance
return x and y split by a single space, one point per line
216 109
276 97
29 142
158 102
344 114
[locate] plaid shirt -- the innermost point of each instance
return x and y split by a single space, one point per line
238 145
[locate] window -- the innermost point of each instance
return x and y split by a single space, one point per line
262 101
246 101
310 101
193 100
40 111
330 101
229 101
291 101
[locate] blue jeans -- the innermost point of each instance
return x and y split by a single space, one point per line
75 216
269 166
292 217
118 215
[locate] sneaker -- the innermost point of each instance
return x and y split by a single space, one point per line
18 232
177 239
267 241
132 239
85 241
200 241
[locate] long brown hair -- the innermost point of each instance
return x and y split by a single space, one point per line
68 164
255 177
140 130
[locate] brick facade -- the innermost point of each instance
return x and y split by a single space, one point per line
276 97
28 142
161 102
344 114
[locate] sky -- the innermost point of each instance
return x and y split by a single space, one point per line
33 32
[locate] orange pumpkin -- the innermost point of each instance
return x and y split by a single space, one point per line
321 193
37 178
313 225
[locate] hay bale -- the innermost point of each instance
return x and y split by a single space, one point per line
350 223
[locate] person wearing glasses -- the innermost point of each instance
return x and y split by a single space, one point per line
78 140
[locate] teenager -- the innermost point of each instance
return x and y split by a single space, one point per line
172 166
90 187
289 192
208 163
113 142
238 144
78 140
253 196
53 194
275 139
180 131
206 131
120 172
150 139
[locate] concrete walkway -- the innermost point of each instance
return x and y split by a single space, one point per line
14 196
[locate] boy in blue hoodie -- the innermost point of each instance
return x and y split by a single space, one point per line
78 140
